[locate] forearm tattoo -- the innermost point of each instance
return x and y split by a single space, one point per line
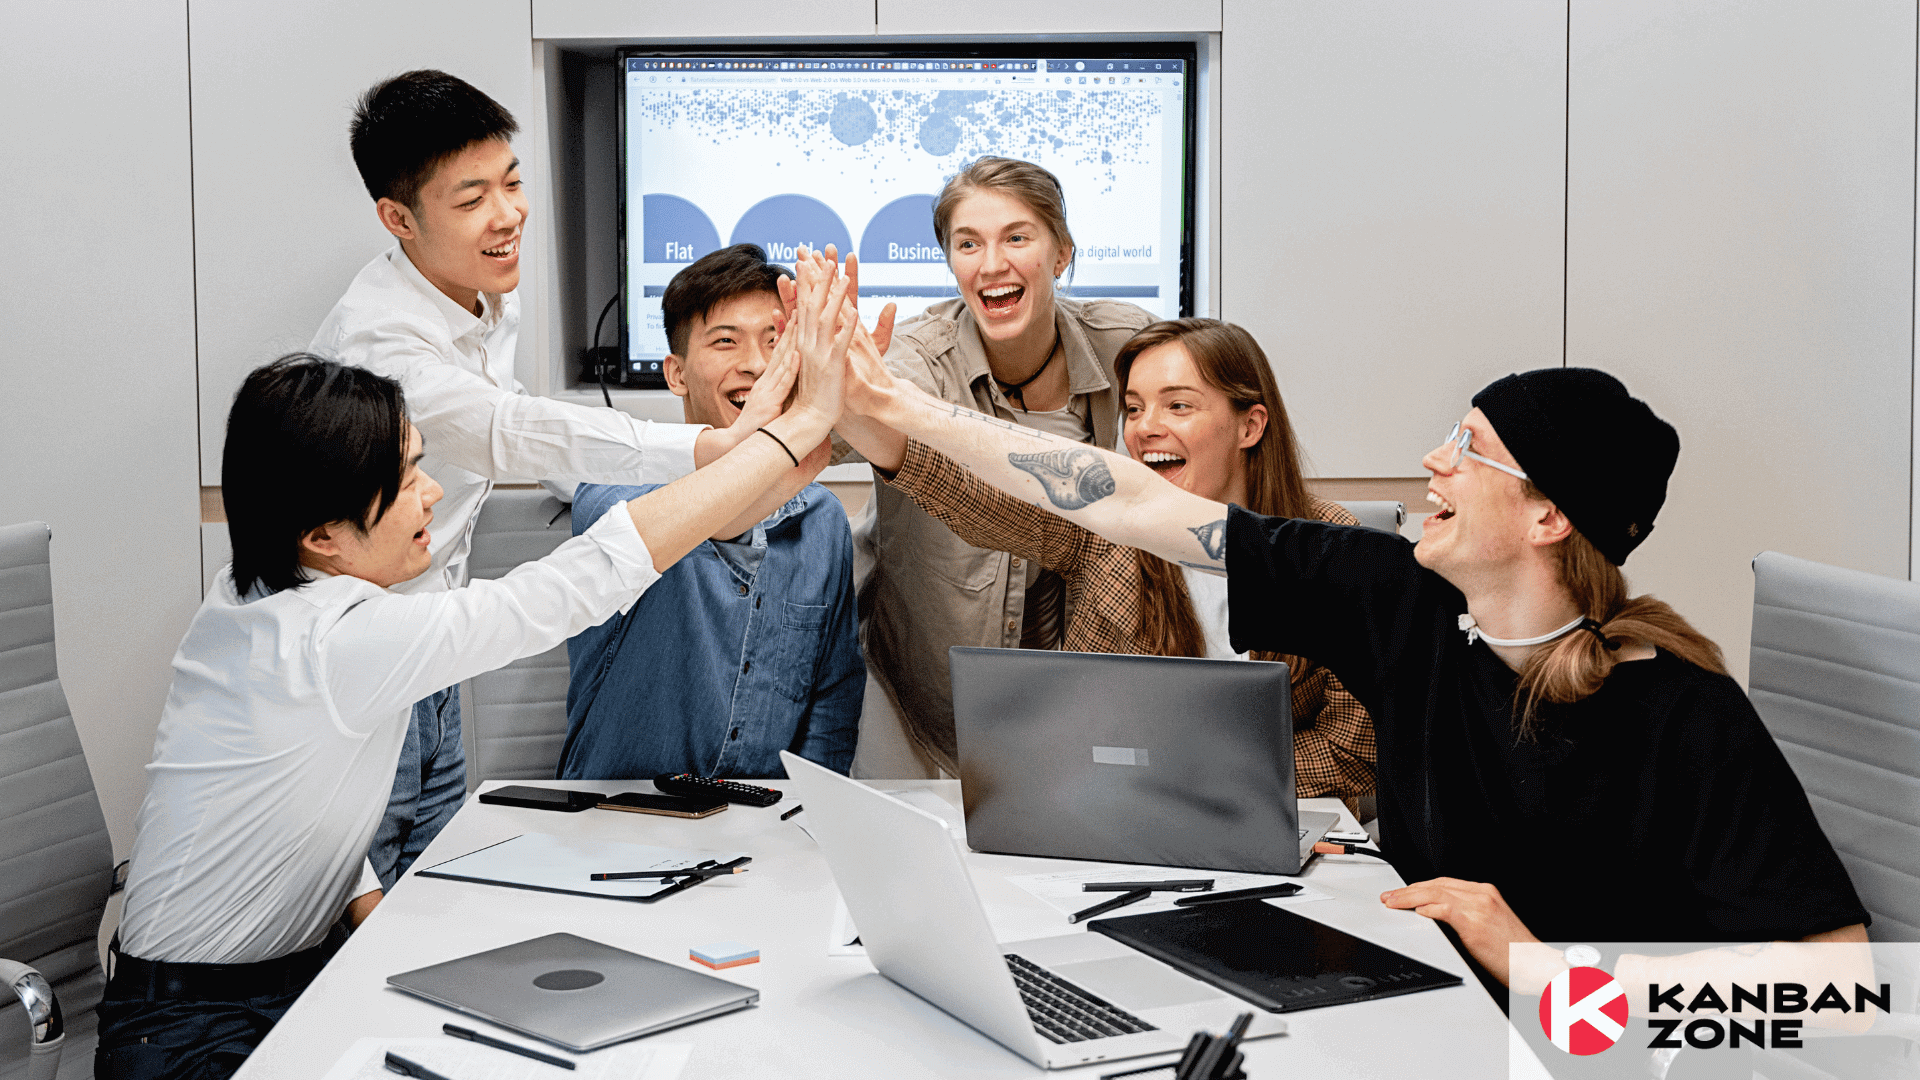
1073 479
1213 539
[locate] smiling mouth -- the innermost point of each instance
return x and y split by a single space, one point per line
1162 462
505 251
738 399
1001 299
1446 508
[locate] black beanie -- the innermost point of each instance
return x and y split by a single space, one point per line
1599 453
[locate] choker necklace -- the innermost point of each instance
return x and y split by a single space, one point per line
1014 390
1474 633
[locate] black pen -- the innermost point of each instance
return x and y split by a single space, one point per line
470 1035
1261 893
629 875
691 880
1173 885
796 809
396 1063
1105 906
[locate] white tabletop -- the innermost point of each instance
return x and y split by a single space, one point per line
834 1016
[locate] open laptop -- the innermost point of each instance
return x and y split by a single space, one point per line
1057 1002
1164 760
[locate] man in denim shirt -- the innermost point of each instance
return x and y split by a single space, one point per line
746 647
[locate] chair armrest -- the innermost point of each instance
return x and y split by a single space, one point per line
43 1014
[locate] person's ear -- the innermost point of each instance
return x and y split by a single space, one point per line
324 541
397 219
1252 425
675 369
1550 527
1064 260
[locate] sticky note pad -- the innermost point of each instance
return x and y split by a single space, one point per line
724 954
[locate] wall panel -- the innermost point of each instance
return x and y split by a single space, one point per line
1740 246
97 412
1053 17
1392 178
283 222
643 20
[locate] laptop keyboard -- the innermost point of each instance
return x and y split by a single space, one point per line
1065 1013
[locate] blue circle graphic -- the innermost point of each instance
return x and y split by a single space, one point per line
784 223
853 121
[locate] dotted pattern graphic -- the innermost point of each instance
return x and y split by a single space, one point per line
863 128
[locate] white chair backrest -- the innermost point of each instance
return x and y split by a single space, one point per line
1385 515
1836 676
514 720
56 861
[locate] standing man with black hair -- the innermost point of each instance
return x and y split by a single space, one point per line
750 645
438 313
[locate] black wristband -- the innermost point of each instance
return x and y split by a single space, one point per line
782 442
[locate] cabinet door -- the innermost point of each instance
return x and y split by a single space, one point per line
1740 252
1392 177
281 220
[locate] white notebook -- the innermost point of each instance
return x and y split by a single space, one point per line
565 864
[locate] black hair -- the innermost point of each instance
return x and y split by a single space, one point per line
404 128
310 442
712 280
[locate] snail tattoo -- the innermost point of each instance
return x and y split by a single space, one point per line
1072 478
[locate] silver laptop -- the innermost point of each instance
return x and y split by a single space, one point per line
574 992
1057 1002
1164 760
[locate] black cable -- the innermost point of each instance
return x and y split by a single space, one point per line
599 364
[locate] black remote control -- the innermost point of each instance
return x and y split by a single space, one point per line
700 787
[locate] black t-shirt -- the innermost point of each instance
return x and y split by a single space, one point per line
1658 809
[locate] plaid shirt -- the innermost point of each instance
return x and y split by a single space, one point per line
1333 746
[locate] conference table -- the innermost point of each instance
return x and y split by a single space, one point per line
822 1015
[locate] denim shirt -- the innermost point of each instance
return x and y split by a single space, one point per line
739 651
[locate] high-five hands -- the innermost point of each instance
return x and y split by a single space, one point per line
821 337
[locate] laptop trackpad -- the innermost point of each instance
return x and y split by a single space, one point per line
1134 983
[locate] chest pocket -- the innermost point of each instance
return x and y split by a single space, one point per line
803 634
958 563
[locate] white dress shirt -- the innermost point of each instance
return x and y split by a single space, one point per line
480 424
277 745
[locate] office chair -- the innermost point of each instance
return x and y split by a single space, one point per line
1835 675
514 720
1385 515
56 863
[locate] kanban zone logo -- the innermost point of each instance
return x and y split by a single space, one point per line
1584 1010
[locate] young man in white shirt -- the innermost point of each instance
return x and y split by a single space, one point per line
294 683
438 313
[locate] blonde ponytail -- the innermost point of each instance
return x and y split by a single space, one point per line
1575 666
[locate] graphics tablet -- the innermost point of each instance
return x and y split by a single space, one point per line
1272 957
573 992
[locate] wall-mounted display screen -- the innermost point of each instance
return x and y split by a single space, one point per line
850 148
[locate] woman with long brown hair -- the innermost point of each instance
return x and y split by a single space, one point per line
1203 410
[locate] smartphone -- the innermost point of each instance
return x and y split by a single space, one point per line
540 798
646 802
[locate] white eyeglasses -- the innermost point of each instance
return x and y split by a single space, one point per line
1462 441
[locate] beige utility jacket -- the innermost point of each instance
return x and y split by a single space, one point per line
929 589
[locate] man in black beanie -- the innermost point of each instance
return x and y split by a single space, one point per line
1558 760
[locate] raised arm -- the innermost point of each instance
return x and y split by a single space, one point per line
1102 492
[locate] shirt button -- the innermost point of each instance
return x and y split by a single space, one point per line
734 734
1016 564
746 667
1011 624
743 590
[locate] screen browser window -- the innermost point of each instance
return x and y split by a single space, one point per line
803 151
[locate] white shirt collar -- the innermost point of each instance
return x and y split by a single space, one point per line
460 321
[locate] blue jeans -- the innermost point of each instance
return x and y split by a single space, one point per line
429 785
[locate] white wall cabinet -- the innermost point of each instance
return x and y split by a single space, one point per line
1391 210
281 219
97 409
1740 253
